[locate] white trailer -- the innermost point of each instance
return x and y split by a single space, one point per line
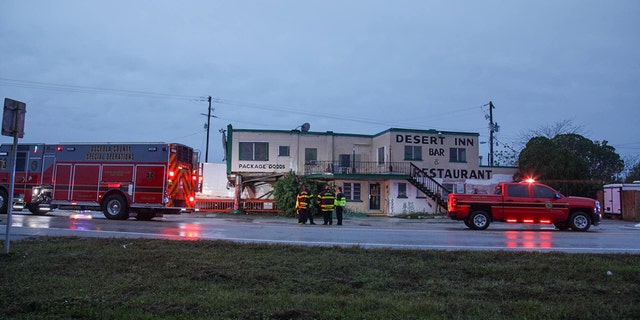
613 196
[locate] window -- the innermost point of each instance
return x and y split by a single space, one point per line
351 190
21 161
381 155
543 192
412 153
254 151
283 151
457 155
310 155
344 160
518 190
402 190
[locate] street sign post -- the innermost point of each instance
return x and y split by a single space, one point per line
13 126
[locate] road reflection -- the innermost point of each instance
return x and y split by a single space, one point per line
528 239
30 221
192 231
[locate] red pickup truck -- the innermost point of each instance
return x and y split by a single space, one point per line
524 202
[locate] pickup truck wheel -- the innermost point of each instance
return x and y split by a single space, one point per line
115 208
479 220
467 223
579 221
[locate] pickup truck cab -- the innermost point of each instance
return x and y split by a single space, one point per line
524 202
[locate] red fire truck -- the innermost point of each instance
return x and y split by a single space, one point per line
146 179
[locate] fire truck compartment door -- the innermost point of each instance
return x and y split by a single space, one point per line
149 184
86 179
62 187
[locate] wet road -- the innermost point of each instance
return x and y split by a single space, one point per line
612 236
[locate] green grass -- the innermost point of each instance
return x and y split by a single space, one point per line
77 278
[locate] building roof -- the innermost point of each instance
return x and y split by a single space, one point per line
429 131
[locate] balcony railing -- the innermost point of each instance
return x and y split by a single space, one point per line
357 167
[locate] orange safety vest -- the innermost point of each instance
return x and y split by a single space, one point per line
327 200
302 202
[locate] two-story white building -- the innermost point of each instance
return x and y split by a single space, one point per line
397 171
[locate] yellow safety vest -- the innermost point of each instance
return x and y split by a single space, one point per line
341 200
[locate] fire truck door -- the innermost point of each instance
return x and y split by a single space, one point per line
149 184
85 183
47 170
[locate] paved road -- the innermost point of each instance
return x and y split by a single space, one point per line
612 236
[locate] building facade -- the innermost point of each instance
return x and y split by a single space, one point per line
397 171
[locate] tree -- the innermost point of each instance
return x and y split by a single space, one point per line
551 131
634 173
506 156
570 163
285 193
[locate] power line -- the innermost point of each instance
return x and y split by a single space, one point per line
92 90
298 110
8 82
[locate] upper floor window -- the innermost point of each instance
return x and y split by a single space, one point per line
412 153
381 155
457 155
310 155
344 160
283 151
254 151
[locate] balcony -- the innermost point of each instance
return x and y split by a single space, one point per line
357 167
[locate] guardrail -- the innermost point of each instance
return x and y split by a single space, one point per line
226 205
357 167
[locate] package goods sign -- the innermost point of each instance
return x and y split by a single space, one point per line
110 153
262 167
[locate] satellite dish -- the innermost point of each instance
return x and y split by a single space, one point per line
305 127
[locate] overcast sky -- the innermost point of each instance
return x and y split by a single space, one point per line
140 71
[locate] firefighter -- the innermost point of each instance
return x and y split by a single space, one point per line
302 206
340 202
327 199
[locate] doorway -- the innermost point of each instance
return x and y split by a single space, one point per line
374 196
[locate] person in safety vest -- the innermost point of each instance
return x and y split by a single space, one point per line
340 202
303 206
327 199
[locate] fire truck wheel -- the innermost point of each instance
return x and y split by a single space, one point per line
579 221
479 220
35 209
115 208
3 202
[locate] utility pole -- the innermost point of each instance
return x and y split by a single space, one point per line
206 155
492 129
